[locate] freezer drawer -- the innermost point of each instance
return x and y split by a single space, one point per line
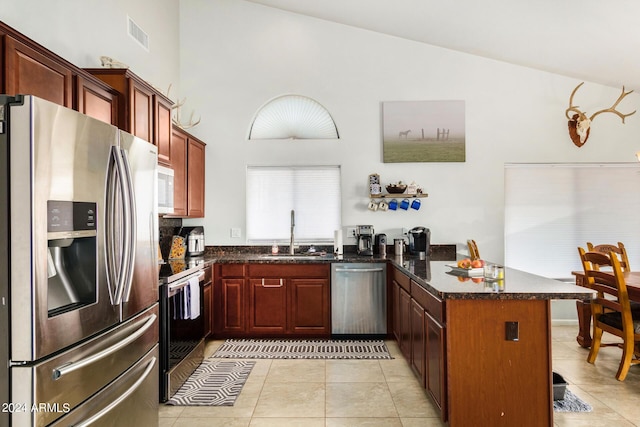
359 299
130 401
63 382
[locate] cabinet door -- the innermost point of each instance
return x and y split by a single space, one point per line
233 305
163 131
97 102
179 165
208 309
309 310
435 363
405 324
31 72
141 111
195 178
267 306
418 337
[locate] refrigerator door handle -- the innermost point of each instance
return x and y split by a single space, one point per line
73 366
131 232
126 268
112 225
120 398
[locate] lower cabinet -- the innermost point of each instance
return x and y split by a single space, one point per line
272 300
208 302
418 326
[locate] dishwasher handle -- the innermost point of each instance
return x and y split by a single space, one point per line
359 270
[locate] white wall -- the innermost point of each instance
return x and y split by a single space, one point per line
237 55
81 31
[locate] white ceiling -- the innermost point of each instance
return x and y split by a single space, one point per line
592 40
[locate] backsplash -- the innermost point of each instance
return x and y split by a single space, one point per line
167 227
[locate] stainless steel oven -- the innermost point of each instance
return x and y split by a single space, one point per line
182 325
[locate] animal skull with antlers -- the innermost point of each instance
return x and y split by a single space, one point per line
580 125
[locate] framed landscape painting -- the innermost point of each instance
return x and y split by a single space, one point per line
423 131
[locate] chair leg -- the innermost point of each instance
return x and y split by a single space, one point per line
625 362
595 344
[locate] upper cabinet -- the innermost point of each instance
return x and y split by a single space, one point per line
142 110
30 69
187 154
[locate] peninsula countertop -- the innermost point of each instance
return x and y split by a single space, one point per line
435 276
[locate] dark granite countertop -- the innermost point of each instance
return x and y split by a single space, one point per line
431 273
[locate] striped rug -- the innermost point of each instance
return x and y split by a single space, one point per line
302 349
213 383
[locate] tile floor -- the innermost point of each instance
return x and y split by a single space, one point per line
341 393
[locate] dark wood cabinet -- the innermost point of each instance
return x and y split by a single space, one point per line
418 326
188 164
273 300
267 306
309 309
179 144
34 72
435 363
97 99
208 301
142 110
195 178
418 340
30 69
232 299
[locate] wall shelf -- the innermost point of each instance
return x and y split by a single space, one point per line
398 196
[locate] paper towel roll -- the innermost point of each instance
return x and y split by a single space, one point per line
337 242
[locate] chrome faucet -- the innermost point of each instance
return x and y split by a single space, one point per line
293 224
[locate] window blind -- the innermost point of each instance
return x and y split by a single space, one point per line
313 192
551 209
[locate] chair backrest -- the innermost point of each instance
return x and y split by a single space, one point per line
604 282
473 249
618 249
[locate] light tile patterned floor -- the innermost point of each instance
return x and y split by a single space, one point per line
385 393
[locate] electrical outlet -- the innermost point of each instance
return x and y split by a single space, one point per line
405 231
351 232
236 233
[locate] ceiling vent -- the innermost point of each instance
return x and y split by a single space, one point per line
138 33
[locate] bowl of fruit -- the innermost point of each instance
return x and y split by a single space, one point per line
468 267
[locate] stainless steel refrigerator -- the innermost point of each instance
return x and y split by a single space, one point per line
79 272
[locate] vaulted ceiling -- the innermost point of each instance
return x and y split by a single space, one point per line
592 40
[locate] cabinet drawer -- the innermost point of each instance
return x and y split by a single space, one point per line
232 270
289 270
431 304
402 279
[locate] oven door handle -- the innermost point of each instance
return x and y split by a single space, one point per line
174 289
120 398
74 366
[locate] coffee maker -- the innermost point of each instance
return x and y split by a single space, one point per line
419 241
195 241
364 235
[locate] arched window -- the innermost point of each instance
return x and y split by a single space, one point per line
293 117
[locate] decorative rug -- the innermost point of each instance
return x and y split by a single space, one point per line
213 383
571 403
303 349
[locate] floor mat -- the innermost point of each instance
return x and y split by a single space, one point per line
571 403
213 383
303 349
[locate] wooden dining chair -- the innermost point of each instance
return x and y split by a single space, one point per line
610 308
473 249
619 250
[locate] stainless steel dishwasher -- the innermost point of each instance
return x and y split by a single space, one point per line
359 299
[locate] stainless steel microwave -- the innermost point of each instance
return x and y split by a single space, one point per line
165 190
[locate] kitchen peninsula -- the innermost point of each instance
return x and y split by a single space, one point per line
482 350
